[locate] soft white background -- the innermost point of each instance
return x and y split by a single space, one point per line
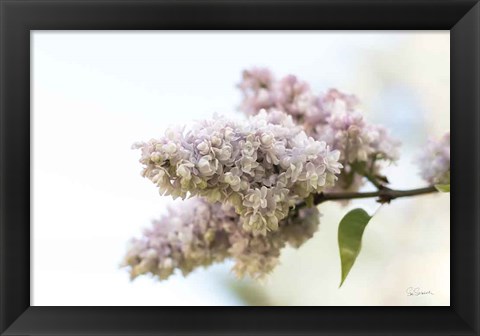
95 93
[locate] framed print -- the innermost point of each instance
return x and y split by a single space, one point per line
163 163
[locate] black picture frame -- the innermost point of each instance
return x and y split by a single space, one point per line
19 17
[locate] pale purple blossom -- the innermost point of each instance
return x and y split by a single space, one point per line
357 140
434 161
262 166
257 89
294 97
333 117
198 233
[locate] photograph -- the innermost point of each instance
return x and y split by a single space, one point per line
240 168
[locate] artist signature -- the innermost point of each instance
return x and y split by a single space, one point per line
416 291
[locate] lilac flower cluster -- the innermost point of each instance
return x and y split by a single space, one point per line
434 161
246 178
202 233
332 117
262 167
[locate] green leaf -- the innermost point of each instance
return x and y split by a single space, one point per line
350 232
443 187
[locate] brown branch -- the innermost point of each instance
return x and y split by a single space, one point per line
374 181
384 195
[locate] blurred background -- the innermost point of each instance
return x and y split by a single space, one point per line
95 93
